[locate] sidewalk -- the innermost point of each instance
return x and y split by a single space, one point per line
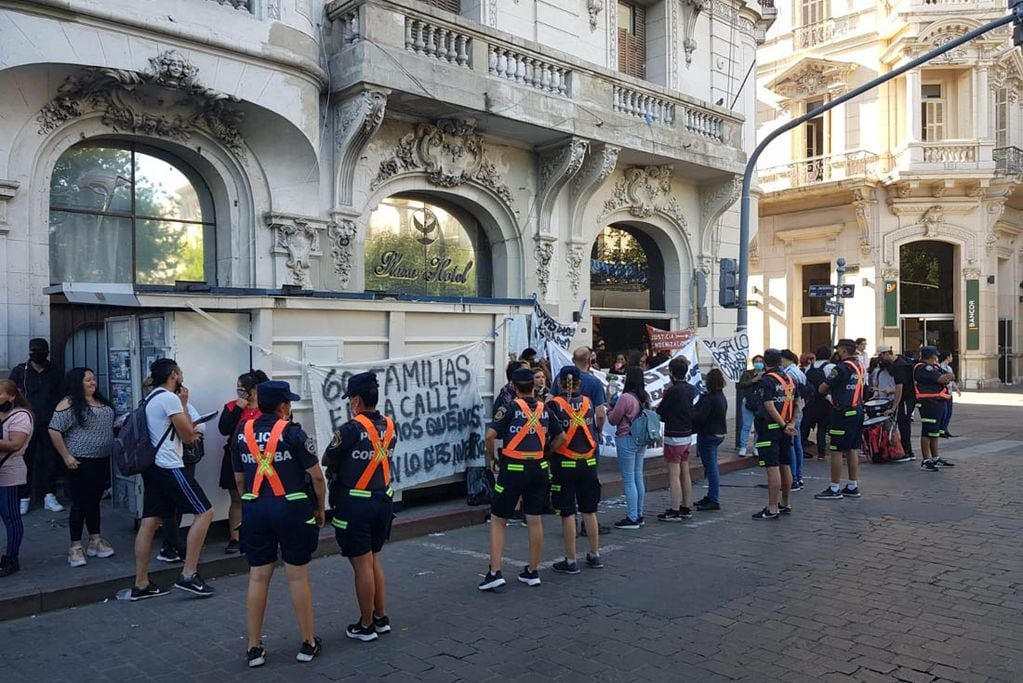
46 582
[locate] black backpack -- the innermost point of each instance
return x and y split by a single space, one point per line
132 449
814 379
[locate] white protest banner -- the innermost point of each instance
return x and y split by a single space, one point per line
434 400
547 329
729 353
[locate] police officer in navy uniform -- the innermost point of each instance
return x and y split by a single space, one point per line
527 431
845 384
359 462
574 483
775 422
274 465
930 383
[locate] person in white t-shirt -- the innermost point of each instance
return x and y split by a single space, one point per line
169 488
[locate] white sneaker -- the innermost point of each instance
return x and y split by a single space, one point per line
51 503
76 556
742 452
24 505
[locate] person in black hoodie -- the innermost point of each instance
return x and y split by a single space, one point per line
710 420
676 411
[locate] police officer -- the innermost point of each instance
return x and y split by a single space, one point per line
527 431
930 384
273 463
359 460
775 422
845 384
574 484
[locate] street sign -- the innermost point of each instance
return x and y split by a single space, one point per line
846 291
834 308
822 291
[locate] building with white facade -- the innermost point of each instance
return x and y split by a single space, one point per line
915 184
359 180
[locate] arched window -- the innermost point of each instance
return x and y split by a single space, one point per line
626 271
129 214
419 247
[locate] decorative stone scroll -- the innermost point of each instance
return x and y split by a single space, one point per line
715 199
165 101
644 191
543 252
575 256
341 235
356 120
594 8
557 166
297 238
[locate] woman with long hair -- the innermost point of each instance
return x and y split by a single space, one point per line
626 409
81 429
711 424
16 424
235 414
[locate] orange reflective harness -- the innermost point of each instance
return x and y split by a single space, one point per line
532 426
788 408
857 399
578 420
943 394
264 460
380 453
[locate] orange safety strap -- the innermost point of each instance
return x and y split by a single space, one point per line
944 393
532 426
858 393
380 451
264 460
788 408
578 419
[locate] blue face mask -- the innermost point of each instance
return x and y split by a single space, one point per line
758 366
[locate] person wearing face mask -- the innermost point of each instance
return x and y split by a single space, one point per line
273 464
40 383
16 425
234 415
358 460
748 382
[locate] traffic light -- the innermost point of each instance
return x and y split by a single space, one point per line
728 283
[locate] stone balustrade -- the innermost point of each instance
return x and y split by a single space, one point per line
643 105
245 5
821 169
528 70
950 152
439 42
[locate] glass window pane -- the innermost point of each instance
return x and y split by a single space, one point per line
168 251
625 17
92 179
89 248
816 274
626 271
925 278
163 191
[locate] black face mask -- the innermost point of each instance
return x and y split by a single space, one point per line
6 406
38 356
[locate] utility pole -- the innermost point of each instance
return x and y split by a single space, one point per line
1014 17
836 301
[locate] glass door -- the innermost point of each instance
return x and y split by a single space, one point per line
918 332
124 385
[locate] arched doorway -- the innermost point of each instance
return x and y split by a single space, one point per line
927 295
627 288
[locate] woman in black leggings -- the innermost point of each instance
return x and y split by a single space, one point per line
81 429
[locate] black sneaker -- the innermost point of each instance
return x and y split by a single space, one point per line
928 466
626 523
232 547
796 486
195 585
851 493
906 458
594 561
641 521
707 504
685 513
766 514
9 565
941 462
150 591
357 631
381 624
491 581
169 555
257 656
669 515
308 651
566 567
530 578
784 510
828 494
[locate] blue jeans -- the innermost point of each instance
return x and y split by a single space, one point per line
744 428
947 417
707 448
10 512
630 462
797 452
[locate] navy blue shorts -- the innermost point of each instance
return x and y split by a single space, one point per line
574 485
525 479
774 446
273 526
932 411
362 524
844 432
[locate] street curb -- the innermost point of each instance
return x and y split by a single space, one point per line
406 526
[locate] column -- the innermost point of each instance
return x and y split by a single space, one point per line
981 104
913 106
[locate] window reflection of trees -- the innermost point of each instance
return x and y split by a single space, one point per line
925 277
618 261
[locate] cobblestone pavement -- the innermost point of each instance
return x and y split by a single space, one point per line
919 580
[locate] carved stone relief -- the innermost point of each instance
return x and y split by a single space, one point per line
341 235
166 101
644 191
690 12
298 238
864 206
356 120
450 152
594 7
971 273
931 219
557 166
8 188
575 255
543 252
715 199
597 168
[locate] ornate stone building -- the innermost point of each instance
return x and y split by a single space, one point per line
915 184
359 179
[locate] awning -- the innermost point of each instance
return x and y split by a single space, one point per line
97 293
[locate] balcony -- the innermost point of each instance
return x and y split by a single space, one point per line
814 171
954 157
1009 160
437 63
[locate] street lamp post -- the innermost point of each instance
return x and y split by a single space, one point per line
836 300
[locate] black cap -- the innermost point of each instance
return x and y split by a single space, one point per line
522 376
361 383
275 392
928 351
847 343
772 357
38 344
569 370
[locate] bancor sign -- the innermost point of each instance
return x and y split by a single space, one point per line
972 315
413 247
